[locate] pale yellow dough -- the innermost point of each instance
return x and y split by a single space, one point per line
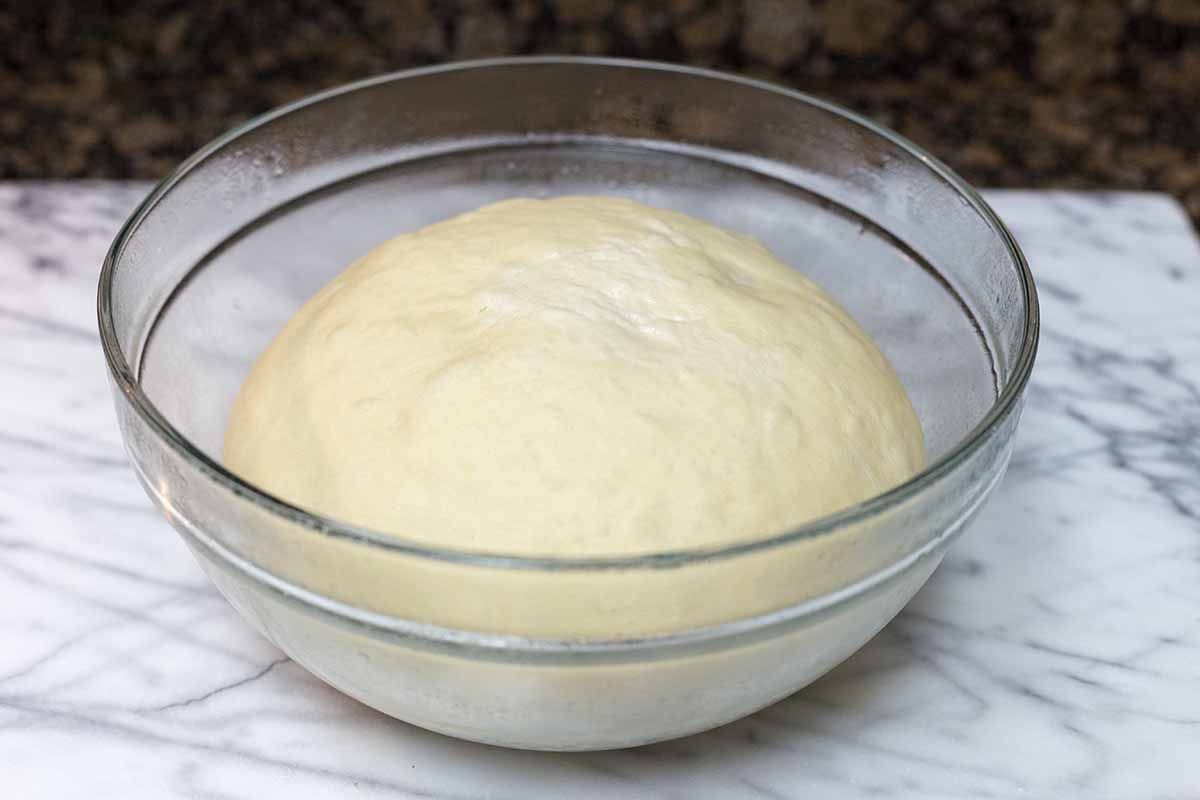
577 376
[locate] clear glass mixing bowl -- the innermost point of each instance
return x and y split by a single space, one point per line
229 246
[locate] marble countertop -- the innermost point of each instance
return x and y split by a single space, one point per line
1055 654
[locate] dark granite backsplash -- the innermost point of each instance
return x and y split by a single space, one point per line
1047 93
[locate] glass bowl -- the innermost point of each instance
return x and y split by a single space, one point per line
639 649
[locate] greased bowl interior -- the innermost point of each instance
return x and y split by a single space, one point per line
556 652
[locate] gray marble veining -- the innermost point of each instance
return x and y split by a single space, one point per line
1055 654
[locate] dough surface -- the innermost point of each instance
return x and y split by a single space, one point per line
578 376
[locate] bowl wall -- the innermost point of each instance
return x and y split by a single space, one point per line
566 702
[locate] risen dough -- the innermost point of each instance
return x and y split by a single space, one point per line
577 376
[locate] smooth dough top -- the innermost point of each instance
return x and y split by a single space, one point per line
578 376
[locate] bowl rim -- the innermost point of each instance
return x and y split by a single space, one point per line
122 373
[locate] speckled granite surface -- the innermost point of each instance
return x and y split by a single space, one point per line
1070 93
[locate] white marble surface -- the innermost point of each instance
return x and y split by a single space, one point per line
1056 653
